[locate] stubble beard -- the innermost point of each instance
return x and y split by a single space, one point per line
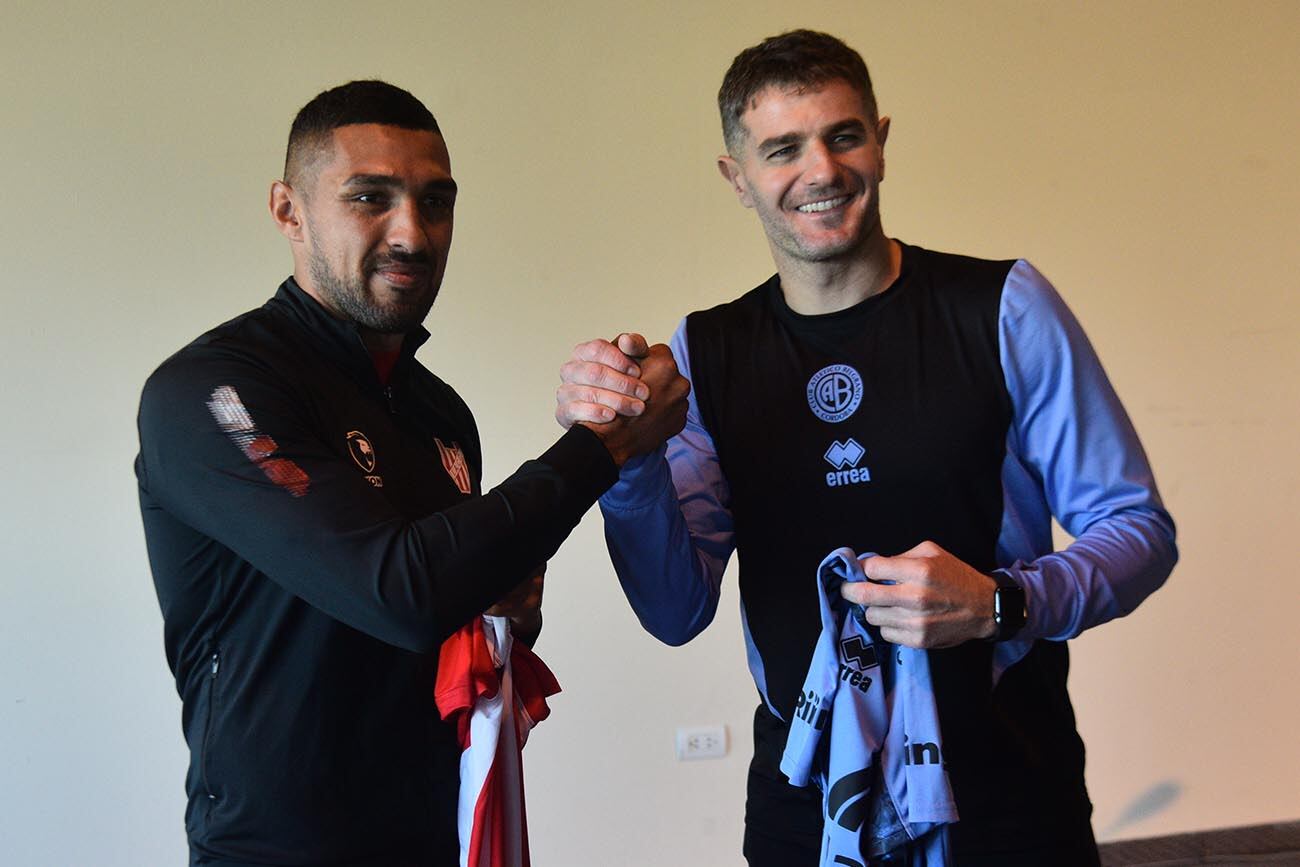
352 298
785 237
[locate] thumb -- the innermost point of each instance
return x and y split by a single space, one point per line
887 570
632 345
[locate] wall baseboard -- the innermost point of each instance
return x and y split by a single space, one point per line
1277 843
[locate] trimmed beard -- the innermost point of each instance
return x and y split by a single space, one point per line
352 298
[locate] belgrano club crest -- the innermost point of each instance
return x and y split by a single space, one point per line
453 461
834 392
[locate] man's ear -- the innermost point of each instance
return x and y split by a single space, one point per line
286 210
733 174
882 133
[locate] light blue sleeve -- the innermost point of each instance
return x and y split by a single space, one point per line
669 529
1072 452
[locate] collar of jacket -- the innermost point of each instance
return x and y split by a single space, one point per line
340 339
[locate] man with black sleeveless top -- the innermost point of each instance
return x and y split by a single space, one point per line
935 409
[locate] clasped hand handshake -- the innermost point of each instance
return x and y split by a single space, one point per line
628 393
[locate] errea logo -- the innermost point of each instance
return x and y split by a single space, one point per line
844 456
856 656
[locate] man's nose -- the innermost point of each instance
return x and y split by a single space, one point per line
406 226
819 168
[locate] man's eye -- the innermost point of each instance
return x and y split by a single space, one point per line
440 203
370 198
781 153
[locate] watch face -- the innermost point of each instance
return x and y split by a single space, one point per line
1008 611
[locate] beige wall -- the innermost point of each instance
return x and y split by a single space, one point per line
1143 155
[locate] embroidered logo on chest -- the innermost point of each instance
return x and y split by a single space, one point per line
834 392
844 456
453 461
363 453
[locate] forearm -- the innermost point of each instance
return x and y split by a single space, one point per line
1103 575
667 523
1073 453
333 540
670 578
478 550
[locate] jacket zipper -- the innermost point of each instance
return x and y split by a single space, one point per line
214 667
386 389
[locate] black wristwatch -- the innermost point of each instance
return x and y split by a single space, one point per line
1009 612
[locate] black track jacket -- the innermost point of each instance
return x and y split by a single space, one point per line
313 538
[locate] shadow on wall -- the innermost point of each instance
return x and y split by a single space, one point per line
1150 803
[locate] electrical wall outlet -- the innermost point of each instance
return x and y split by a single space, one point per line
704 742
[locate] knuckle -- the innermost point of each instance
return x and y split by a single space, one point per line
606 376
590 349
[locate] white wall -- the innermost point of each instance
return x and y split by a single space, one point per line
1143 155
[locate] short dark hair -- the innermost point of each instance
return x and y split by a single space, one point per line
370 101
798 60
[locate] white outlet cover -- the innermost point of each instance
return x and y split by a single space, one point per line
701 742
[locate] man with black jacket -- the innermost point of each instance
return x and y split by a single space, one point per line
314 519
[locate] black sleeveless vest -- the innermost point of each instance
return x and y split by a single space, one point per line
879 427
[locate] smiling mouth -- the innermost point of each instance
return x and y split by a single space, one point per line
404 277
822 205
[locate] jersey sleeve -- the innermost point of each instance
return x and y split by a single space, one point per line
228 452
1073 454
669 528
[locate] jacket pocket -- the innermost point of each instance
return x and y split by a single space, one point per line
205 757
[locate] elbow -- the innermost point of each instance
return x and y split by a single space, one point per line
410 623
421 644
1154 564
1164 566
1164 536
672 638
675 633
674 600
1164 551
422 637
1151 548
1170 558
